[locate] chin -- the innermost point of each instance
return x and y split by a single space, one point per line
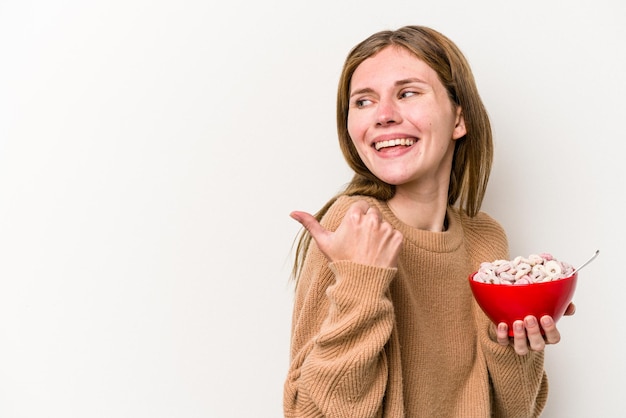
394 180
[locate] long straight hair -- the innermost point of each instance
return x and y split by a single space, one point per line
473 153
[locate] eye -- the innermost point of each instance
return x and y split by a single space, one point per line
408 93
362 102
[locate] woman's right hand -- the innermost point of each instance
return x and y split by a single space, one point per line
363 237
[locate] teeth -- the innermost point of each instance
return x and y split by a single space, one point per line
394 143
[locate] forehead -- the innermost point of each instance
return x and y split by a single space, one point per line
390 65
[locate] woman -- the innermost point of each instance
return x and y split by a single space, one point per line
384 322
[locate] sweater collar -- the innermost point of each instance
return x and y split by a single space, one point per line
440 242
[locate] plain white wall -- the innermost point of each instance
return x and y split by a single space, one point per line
150 153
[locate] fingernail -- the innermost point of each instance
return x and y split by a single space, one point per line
546 321
518 325
531 322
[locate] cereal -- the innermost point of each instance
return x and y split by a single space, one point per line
536 268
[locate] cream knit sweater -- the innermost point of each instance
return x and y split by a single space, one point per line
406 342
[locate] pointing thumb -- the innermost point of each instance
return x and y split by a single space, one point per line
308 221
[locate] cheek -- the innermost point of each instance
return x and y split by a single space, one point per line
355 127
351 130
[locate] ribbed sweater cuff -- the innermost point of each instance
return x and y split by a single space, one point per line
361 282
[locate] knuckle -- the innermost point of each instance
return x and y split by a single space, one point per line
537 345
522 351
554 339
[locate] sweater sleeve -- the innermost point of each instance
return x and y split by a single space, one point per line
343 318
519 383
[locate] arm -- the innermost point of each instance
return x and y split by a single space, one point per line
338 364
519 382
343 317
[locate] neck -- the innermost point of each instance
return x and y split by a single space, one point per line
422 211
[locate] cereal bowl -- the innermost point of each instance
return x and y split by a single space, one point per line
508 303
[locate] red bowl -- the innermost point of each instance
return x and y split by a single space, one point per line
508 303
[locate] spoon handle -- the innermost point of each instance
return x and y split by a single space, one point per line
588 261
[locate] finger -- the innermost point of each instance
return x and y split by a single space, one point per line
570 310
553 335
311 224
502 334
360 206
361 210
533 333
520 342
375 213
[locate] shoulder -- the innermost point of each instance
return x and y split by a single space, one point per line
485 236
482 223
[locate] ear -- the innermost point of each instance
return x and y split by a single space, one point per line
459 125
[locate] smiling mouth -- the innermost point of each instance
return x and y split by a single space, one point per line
406 142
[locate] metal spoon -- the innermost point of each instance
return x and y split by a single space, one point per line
588 261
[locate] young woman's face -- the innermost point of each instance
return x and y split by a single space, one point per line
402 121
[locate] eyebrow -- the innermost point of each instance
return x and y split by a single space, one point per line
398 83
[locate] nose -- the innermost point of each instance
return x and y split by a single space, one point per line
387 113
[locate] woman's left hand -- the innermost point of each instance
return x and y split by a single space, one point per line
527 333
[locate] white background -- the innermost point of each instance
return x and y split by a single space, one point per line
151 151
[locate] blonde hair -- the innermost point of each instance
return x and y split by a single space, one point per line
473 154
